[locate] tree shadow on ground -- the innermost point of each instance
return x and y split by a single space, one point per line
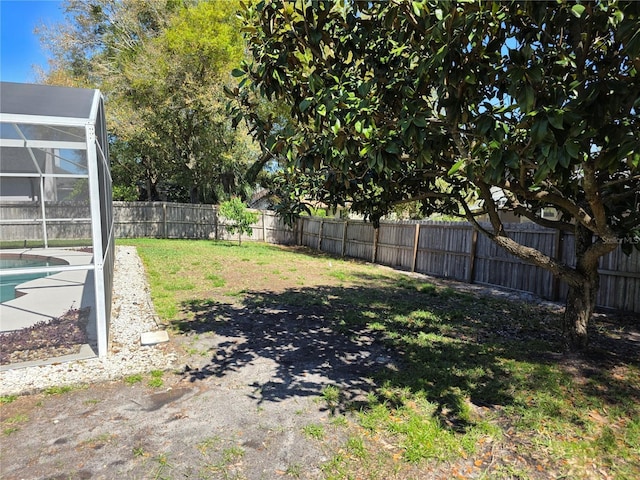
451 347
300 351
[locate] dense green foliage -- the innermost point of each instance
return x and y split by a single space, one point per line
397 95
505 105
162 66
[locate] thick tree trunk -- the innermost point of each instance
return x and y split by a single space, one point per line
581 302
581 299
583 279
193 194
152 191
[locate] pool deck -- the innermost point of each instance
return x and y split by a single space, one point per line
49 297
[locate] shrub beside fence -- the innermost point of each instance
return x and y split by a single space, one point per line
443 249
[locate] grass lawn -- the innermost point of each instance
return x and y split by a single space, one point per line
474 386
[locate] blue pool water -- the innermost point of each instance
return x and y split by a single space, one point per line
8 283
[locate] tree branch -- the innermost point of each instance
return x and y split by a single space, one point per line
492 209
616 198
561 270
631 178
543 222
579 213
592 194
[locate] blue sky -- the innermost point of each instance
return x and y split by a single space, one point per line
19 47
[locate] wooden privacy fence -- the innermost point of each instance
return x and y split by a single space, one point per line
443 249
23 221
183 220
456 251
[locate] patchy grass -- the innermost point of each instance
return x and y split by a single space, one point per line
232 454
11 425
156 380
474 386
20 418
133 379
4 399
208 443
224 462
139 451
314 430
59 390
97 442
294 470
216 280
331 395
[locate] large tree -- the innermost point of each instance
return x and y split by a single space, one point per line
175 85
162 65
522 105
87 47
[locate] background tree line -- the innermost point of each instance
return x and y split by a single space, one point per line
162 66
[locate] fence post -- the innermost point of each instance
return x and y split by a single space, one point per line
415 247
215 222
212 223
320 235
559 246
264 228
300 225
376 232
164 220
472 255
344 236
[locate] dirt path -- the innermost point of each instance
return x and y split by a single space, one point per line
247 405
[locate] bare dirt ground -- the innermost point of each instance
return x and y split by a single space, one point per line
250 408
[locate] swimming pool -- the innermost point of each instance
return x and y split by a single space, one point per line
8 283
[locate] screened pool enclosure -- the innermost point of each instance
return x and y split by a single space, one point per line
56 224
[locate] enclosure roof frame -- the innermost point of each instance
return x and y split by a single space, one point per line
48 104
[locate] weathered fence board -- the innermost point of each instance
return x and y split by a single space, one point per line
619 280
275 230
444 250
395 245
332 236
359 240
310 228
19 222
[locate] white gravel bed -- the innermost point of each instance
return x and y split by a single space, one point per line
132 314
